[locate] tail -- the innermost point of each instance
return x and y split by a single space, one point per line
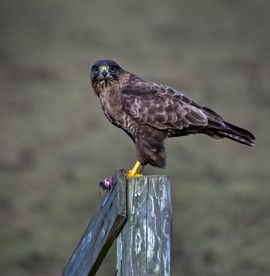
218 128
236 133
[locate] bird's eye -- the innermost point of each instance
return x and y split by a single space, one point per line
113 69
95 69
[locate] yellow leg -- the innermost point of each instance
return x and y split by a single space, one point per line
136 170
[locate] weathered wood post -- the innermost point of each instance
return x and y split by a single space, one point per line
139 208
144 244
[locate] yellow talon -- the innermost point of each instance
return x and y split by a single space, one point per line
131 175
136 170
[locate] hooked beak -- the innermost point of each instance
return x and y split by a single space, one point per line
104 73
103 69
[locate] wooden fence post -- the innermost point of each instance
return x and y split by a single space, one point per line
144 244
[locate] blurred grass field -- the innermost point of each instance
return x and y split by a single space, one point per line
56 144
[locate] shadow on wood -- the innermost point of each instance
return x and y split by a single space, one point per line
102 230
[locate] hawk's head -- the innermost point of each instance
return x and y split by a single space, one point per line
105 72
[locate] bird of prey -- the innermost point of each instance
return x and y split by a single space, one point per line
150 112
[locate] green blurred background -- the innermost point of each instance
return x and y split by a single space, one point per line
56 144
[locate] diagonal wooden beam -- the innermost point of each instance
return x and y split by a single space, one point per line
102 230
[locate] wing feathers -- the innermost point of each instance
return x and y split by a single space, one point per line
164 108
161 109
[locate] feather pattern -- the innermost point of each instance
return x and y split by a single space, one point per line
150 112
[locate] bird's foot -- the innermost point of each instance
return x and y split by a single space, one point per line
131 174
136 170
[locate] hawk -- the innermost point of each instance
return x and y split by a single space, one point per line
150 112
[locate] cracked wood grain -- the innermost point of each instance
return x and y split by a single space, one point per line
144 245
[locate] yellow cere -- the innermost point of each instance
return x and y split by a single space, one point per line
103 68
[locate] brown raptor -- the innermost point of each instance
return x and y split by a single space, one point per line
150 112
